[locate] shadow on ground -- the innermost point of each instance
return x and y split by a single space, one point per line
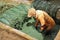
53 33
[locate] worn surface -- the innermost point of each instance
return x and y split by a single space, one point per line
58 36
8 33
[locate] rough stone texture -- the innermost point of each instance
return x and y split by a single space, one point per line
6 35
58 36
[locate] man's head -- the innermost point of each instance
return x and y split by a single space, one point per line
31 12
